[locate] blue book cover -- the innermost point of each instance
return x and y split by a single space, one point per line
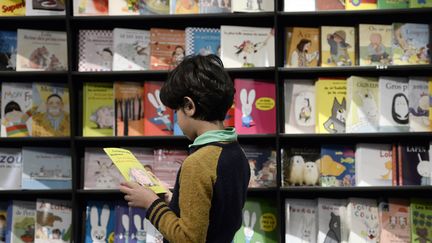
122 231
138 225
215 6
99 224
177 130
337 166
203 41
8 50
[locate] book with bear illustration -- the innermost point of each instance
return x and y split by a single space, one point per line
167 48
21 221
10 168
252 6
45 8
418 100
374 164
99 171
53 221
203 41
167 162
393 4
394 216
332 220
421 220
131 49
16 103
363 220
129 109
158 119
153 7
98 110
90 7
337 166
8 50
338 46
360 5
411 44
100 221
95 50
375 44
301 217
303 48
301 166
414 165
123 7
262 163
12 7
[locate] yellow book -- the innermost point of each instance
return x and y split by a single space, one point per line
132 170
12 7
360 4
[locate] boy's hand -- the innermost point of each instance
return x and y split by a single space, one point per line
137 196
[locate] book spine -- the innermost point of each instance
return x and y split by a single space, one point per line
394 165
400 158
9 219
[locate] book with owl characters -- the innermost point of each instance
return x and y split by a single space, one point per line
10 168
303 47
330 4
12 7
363 220
90 7
332 217
16 103
203 41
219 6
418 97
100 171
53 221
95 50
152 7
123 7
393 4
252 6
420 3
421 220
184 7
167 162
301 217
100 221
338 46
394 107
255 111
410 44
41 50
45 7
131 49
375 44
262 163
8 50
331 110
374 164
260 222
129 109
414 165
21 221
98 109
301 166
394 216
247 46
360 4
158 119
167 48
337 166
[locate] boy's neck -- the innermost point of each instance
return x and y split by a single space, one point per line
205 126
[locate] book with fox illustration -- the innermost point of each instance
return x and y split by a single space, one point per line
129 109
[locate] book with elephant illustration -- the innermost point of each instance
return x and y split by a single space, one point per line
158 119
420 3
95 50
338 46
45 7
129 109
363 223
394 215
262 163
332 220
167 48
53 221
360 5
123 7
303 48
414 165
301 166
21 221
203 41
374 164
8 50
394 108
90 7
152 7
131 49
411 44
12 7
421 220
337 166
418 97
10 168
375 44
16 103
301 217
100 171
100 221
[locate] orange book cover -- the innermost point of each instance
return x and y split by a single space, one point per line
158 119
167 48
229 118
129 109
394 165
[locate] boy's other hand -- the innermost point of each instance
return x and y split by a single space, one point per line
137 195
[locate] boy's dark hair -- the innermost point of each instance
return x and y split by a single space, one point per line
12 106
204 80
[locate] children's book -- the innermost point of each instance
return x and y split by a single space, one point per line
10 168
421 220
131 49
184 7
218 6
337 166
139 227
414 165
410 44
301 166
252 6
300 106
8 50
330 5
176 129
338 46
300 221
430 103
394 105
21 221
47 7
395 222
255 111
122 225
392 4
229 118
247 46
418 100
53 221
420 3
16 103
151 7
363 220
303 47
299 5
332 217
123 7
203 41
12 7
98 109
41 50
375 44
100 172
152 234
3 221
145 155
262 163
100 221
95 50
167 163
158 119
50 111
374 164
129 109
360 5
167 48
331 110
90 7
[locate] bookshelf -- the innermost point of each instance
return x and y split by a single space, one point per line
279 20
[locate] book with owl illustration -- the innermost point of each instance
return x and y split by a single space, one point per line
299 5
303 47
21 221
330 5
153 7
301 217
218 6
247 46
418 100
10 168
421 220
100 171
262 163
12 7
338 46
255 111
41 50
414 165
203 41
123 7
420 3
131 49
375 44
129 109
16 103
90 7
167 48
8 50
360 5
100 221
337 166
394 216
53 221
410 44
331 110
394 106
392 4
95 50
44 8
98 109
363 220
362 105
301 166
158 119
332 220
374 164
3 221
252 6
167 162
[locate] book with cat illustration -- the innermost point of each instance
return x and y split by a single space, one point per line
338 46
99 171
411 44
421 220
375 44
12 7
41 50
167 162
16 103
394 216
167 48
8 50
99 221
337 166
360 5
363 220
374 164
10 168
95 49
303 48
90 7
53 221
129 109
392 4
262 163
301 166
131 49
158 119
3 221
414 165
420 3
154 7
418 100
332 219
301 217
252 6
209 6
45 7
299 5
21 221
123 7
330 5
203 41
98 110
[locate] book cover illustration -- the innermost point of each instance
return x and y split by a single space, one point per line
375 44
3 221
262 163
45 7
16 103
139 226
46 168
393 4
151 7
123 7
122 227
299 5
95 50
300 106
363 220
98 117
418 101
414 165
21 223
394 105
337 46
90 7
229 118
303 47
176 129
332 220
53 221
252 6
100 171
247 46
100 222
410 44
395 222
131 49
421 220
374 164
167 48
420 3
145 155
167 163
184 6
129 109
50 111
301 218
152 234
330 5
203 41
337 166
360 4
215 6
301 166
12 7
10 168
8 50
158 119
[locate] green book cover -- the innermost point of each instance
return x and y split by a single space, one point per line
420 3
391 4
421 220
98 117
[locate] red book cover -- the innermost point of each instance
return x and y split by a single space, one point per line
229 118
330 4
167 48
158 119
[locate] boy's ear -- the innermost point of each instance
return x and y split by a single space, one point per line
189 106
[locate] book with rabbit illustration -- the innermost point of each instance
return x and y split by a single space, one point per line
301 218
421 220
95 49
338 46
90 7
299 5
167 162
330 5
410 44
374 164
262 163
152 7
12 7
331 110
362 105
16 103
260 222
363 220
10 168
139 227
255 111
203 41
53 221
123 7
41 50
301 166
375 44
129 109
123 223
8 50
21 221
247 46
337 166
392 4
100 221
303 47
299 106
414 165
167 48
3 221
100 171
208 6
98 109
158 119
332 220
131 49
394 216
420 3
252 6
45 7
360 5
418 101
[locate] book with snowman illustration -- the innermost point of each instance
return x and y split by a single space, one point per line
374 164
418 100
301 166
394 108
337 166
363 220
414 165
301 217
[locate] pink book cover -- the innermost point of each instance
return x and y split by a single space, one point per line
255 110
167 162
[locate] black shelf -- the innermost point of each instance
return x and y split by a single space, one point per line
34 76
36 141
34 194
352 13
144 141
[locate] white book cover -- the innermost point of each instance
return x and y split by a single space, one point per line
299 5
394 105
90 7
42 50
152 234
100 171
10 168
299 106
95 50
373 164
247 46
21 221
332 220
418 99
300 221
44 8
123 7
131 49
363 220
53 221
16 104
253 5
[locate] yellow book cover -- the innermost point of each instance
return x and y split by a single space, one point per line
132 170
331 105
12 7
303 48
360 4
98 102
337 46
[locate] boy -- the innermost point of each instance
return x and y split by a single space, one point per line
211 185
